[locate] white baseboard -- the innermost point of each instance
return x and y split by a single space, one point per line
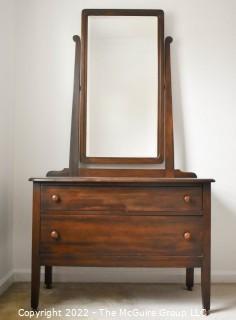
6 281
125 275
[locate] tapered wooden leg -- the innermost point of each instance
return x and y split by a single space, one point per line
206 287
189 278
35 285
48 277
35 271
206 260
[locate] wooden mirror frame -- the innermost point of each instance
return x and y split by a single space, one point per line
159 158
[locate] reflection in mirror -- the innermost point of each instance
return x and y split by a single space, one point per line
122 86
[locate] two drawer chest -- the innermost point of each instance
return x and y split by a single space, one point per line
121 222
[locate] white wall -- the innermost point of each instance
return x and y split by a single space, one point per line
203 60
6 136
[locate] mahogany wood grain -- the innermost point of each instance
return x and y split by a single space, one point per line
74 140
115 240
53 212
123 12
119 235
124 217
123 199
160 74
138 181
189 278
169 136
165 116
145 261
48 277
206 261
92 172
35 271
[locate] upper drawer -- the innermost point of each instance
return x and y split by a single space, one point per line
121 199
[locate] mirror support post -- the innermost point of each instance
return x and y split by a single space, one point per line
169 136
74 139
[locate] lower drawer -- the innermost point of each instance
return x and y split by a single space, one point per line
121 235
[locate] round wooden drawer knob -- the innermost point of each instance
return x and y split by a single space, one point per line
55 198
187 236
54 235
187 198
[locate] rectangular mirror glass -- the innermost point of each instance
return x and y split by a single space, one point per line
122 88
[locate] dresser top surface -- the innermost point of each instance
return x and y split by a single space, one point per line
120 180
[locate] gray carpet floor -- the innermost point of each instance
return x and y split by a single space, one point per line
118 301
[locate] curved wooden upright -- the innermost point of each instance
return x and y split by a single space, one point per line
169 135
74 140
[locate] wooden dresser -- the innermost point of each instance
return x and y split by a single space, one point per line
121 217
122 222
